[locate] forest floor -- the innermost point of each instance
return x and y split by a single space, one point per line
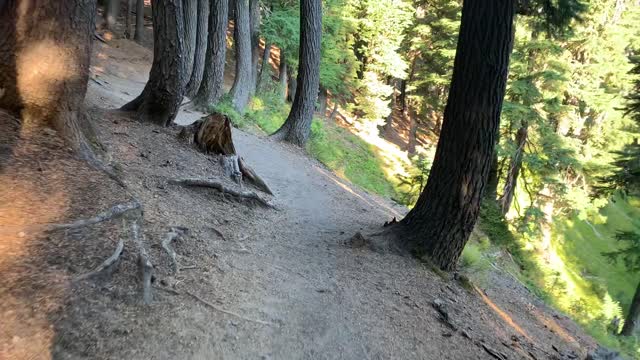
255 282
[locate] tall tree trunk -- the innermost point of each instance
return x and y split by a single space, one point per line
334 112
197 71
139 33
190 12
388 124
127 20
283 76
298 124
255 42
160 100
292 86
447 210
44 67
266 55
111 13
242 84
211 88
633 317
514 169
322 102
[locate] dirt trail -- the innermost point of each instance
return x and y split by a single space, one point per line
299 291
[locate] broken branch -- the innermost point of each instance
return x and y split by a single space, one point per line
172 235
216 308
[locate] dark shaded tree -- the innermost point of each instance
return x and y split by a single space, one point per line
256 18
211 87
111 13
139 32
447 210
44 67
298 124
243 83
199 56
160 100
190 12
266 56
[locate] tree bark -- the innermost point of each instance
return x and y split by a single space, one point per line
255 42
439 226
211 87
197 70
44 67
298 124
514 170
266 55
242 84
633 317
127 20
190 12
160 100
292 85
111 14
491 193
322 102
283 76
139 33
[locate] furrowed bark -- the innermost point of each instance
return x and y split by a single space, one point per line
298 124
442 220
242 84
211 87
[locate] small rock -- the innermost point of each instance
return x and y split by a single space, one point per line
603 353
357 240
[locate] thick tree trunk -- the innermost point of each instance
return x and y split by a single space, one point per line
298 124
514 170
242 84
633 317
127 20
162 95
111 14
44 67
283 76
266 55
197 71
139 33
446 212
211 87
190 12
255 42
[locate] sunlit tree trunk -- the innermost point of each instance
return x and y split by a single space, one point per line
162 95
45 49
199 56
447 210
211 87
283 76
514 169
242 84
298 124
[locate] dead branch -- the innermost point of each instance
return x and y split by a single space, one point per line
146 268
114 212
250 195
252 177
108 267
172 235
216 308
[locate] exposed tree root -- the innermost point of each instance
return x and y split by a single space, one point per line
107 268
216 308
172 235
146 268
251 176
249 195
112 213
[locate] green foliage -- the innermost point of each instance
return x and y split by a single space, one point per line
225 106
410 186
348 156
